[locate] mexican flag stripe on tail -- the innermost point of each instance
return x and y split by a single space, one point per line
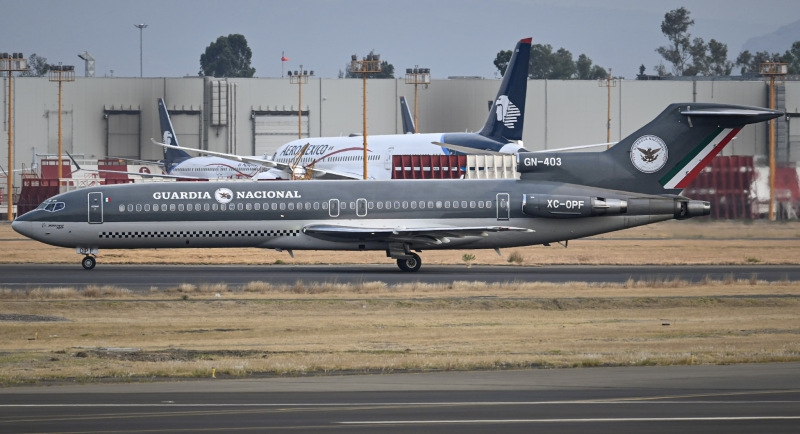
687 169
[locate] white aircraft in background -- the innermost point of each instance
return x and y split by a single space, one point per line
343 157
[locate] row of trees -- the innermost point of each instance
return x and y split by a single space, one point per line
558 65
688 56
692 56
230 56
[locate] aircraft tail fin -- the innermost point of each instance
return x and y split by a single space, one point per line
662 157
408 121
507 115
171 156
671 150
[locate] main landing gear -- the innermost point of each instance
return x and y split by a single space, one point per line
88 262
411 263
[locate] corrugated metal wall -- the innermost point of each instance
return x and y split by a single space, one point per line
559 113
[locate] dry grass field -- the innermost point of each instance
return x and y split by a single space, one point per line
110 334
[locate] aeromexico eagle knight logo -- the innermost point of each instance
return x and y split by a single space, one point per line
649 154
167 139
506 111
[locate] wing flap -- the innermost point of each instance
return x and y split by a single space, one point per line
424 235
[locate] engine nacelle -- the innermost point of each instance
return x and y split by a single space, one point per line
562 206
693 208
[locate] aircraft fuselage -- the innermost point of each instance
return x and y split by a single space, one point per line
277 215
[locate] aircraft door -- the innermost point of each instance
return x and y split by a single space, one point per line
387 163
95 207
503 206
333 207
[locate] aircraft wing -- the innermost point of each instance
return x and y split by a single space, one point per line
317 173
417 235
468 150
144 175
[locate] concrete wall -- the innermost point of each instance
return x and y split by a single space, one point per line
559 113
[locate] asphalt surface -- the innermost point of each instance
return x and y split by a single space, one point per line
145 277
708 399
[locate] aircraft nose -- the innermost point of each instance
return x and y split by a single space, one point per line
21 226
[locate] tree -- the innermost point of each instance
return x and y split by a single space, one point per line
750 62
718 62
598 72
229 56
501 61
563 65
675 27
792 58
37 66
540 66
586 71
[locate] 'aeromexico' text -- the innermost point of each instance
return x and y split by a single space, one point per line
194 195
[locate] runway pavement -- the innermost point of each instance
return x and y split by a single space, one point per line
145 277
708 399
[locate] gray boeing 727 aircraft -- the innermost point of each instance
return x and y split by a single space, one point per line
560 196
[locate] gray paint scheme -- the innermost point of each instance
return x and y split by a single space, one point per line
571 201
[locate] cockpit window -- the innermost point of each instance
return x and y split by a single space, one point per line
52 206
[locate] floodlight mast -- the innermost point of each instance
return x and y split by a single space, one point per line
11 62
60 74
369 64
300 78
141 27
417 76
772 71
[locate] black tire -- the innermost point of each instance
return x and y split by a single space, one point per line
411 264
88 262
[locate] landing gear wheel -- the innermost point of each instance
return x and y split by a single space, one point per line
410 264
88 262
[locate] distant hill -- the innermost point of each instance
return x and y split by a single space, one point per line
776 42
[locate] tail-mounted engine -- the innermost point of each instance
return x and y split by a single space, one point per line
558 206
561 206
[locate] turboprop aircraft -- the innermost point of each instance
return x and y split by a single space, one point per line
343 157
559 197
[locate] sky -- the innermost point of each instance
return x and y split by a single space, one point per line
451 37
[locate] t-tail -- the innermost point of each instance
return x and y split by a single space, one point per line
172 156
661 158
507 114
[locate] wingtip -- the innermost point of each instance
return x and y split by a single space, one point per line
526 40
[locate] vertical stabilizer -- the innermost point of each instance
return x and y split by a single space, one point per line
662 157
408 121
507 114
171 156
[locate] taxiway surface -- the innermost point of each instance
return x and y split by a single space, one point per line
145 277
708 399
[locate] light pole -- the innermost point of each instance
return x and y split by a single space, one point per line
300 78
608 83
140 27
60 74
772 71
370 64
12 63
417 76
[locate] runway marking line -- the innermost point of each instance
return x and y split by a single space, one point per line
593 420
